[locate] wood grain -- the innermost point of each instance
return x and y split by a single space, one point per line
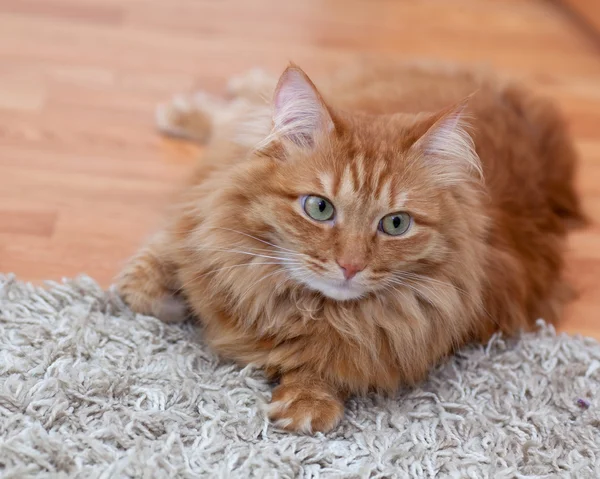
84 177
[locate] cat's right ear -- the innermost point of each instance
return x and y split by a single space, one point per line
299 113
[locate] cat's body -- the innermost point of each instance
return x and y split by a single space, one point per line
478 255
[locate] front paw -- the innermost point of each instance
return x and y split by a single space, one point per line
163 305
170 309
301 408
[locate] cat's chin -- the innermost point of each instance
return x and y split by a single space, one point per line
338 290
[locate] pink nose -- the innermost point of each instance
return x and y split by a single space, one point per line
350 269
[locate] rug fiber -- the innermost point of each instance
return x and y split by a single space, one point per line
88 389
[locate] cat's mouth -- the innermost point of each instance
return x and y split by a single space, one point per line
340 290
334 288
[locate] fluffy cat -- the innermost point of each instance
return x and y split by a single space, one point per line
347 241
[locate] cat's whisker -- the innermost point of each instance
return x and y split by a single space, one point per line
270 251
237 266
197 251
416 291
421 280
428 297
217 270
301 274
424 279
249 253
430 291
415 277
247 291
259 239
420 277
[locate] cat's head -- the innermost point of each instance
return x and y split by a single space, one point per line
357 203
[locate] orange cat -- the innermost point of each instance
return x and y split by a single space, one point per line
348 241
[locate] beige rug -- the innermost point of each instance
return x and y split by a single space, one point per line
90 390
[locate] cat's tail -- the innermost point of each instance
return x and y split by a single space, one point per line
557 150
562 161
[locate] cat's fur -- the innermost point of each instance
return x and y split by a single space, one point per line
484 167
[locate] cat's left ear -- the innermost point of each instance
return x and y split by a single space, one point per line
300 115
447 147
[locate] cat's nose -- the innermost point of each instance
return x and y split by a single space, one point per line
350 269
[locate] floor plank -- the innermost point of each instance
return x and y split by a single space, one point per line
84 177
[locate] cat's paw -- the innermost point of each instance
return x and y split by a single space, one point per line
304 410
171 309
162 304
187 116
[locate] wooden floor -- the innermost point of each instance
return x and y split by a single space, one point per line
84 177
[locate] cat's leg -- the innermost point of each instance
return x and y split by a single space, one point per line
148 283
304 404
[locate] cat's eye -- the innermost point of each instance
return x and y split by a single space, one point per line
395 224
317 208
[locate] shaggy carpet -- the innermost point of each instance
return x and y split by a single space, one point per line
88 389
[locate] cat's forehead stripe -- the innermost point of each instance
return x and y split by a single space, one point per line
385 193
360 168
356 181
346 186
374 181
327 183
400 200
377 176
384 181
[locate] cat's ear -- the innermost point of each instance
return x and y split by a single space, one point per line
299 112
447 147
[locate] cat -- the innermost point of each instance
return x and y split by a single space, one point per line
347 241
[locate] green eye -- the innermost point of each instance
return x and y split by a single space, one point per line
395 224
319 209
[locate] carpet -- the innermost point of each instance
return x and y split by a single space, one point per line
90 390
